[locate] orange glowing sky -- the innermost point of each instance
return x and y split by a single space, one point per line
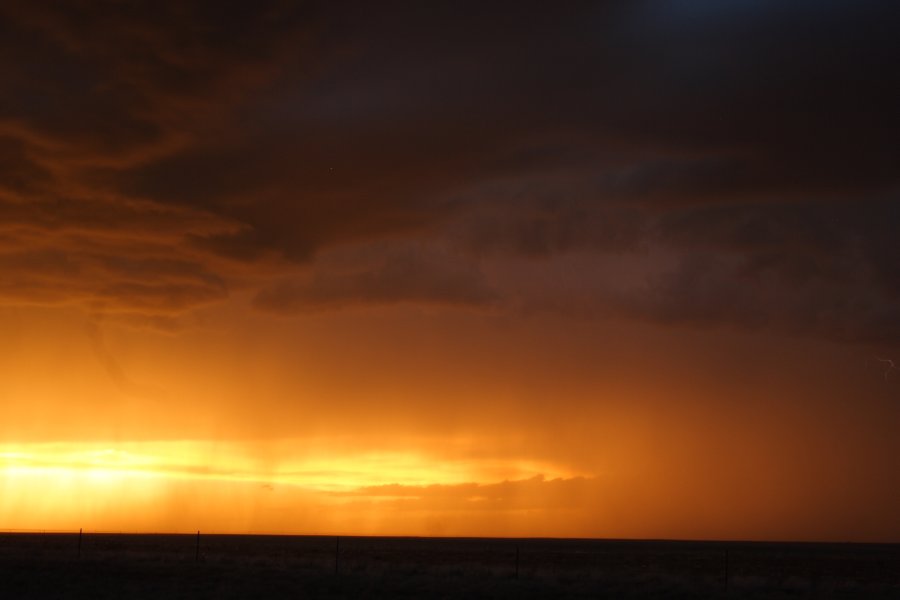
345 270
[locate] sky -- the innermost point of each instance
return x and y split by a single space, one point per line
622 269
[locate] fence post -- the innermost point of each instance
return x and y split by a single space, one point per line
80 531
197 553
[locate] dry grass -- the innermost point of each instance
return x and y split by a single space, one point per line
165 566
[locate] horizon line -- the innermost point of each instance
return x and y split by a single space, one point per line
82 531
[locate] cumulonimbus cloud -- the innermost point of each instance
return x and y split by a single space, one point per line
150 165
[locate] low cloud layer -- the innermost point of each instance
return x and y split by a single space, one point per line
535 493
413 274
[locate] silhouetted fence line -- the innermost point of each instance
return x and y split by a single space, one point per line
721 567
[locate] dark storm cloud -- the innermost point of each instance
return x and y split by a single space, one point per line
99 89
707 291
105 283
753 142
418 275
828 268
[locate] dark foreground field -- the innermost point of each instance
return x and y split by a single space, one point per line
169 566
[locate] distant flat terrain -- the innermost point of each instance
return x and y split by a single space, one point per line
57 565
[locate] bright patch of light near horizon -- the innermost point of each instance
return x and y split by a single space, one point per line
325 470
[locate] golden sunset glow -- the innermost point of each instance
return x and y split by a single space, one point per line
206 461
60 485
608 270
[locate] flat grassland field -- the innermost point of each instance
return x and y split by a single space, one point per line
66 565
